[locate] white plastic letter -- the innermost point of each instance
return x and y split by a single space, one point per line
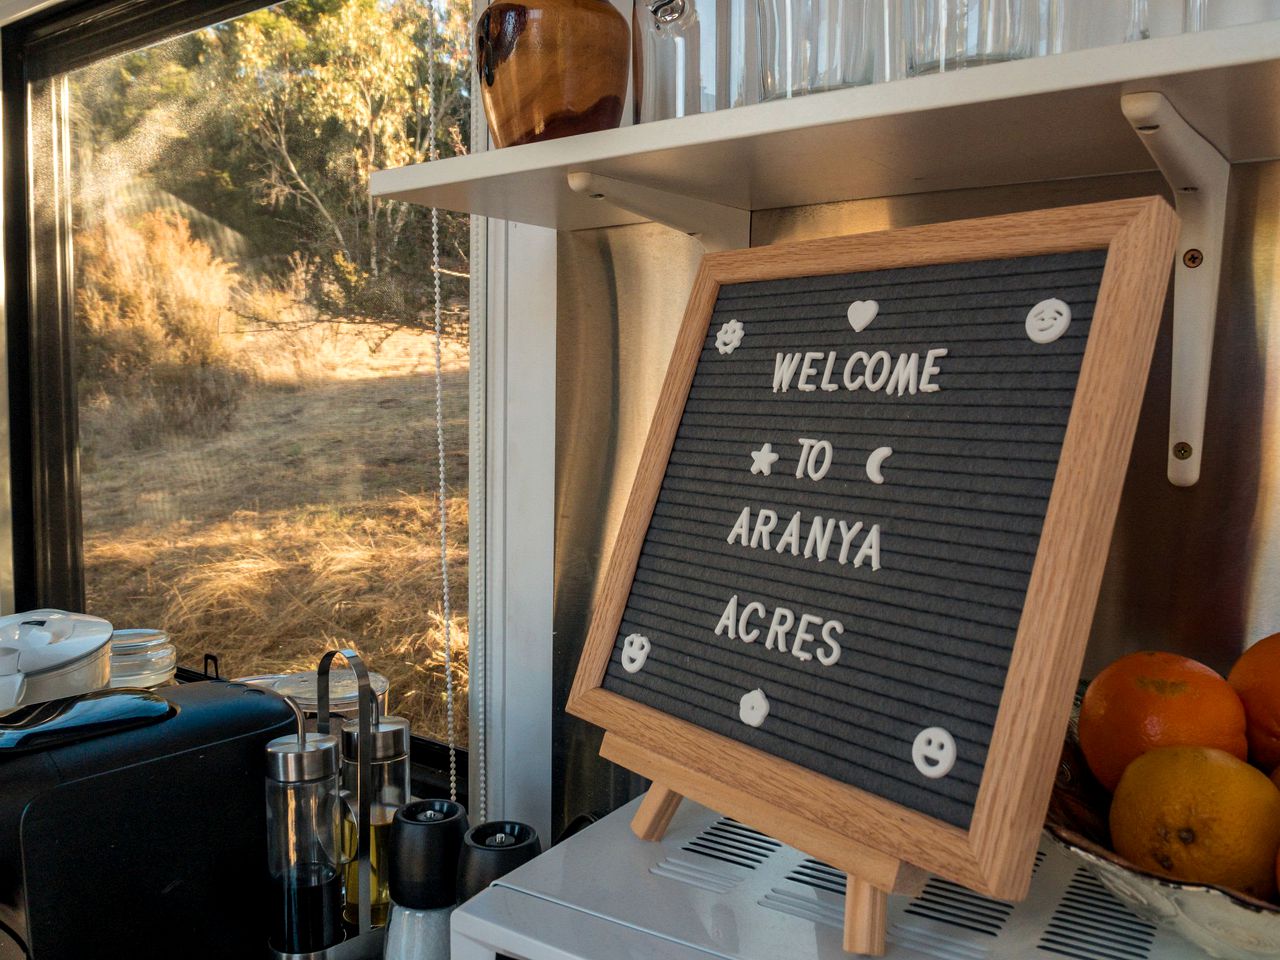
903 378
803 636
846 539
876 380
807 371
784 368
854 383
766 520
820 534
729 618
827 383
750 635
832 653
783 620
930 368
742 526
870 548
790 539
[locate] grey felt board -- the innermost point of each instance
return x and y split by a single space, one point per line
927 637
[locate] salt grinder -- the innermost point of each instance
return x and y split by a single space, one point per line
426 838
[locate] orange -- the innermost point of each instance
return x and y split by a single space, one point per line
1154 699
1256 677
1199 815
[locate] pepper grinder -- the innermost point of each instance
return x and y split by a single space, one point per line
426 838
491 851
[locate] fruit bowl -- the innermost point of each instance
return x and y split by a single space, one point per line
1221 922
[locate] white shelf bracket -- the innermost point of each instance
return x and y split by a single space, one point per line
715 226
1198 175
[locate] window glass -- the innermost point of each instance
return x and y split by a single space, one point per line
253 351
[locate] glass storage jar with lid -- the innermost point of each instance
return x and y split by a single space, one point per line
389 791
142 657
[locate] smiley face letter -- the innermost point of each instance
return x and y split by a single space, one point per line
635 651
934 752
1048 320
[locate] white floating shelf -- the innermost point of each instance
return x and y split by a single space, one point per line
1044 119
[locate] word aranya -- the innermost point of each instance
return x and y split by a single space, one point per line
736 623
862 371
819 541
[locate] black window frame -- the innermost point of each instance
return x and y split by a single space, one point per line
44 447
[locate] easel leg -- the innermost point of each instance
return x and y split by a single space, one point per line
656 810
865 912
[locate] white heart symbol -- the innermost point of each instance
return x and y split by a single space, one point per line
861 313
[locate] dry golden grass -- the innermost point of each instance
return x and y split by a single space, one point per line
311 524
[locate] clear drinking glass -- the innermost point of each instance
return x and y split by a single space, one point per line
692 56
1083 24
952 34
1212 14
807 46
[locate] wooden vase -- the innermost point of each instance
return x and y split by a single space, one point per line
551 68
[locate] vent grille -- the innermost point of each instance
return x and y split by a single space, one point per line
931 943
717 877
1091 924
731 842
820 876
951 903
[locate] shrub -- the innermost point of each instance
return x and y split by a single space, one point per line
153 314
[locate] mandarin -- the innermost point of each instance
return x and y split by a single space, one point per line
1155 699
1199 815
1256 678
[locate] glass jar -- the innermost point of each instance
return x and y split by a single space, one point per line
691 56
142 658
947 35
1083 24
807 46
303 853
389 791
301 689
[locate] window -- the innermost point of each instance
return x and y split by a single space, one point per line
228 345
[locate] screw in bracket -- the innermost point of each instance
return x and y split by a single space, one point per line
1182 450
1193 258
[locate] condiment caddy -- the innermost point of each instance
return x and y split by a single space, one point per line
309 812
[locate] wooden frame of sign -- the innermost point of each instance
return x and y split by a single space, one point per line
881 845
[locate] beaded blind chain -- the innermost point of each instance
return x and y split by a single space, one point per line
433 154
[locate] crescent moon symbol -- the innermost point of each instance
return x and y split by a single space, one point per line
874 462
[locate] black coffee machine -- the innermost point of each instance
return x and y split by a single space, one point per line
133 825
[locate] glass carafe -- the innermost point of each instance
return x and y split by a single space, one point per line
303 854
693 56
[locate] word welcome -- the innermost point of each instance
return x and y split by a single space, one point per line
862 371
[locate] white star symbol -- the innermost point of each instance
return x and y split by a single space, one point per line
762 460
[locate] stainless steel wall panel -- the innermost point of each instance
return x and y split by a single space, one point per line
621 294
